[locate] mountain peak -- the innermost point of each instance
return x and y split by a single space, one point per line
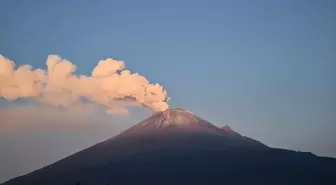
229 130
177 116
181 110
178 120
172 119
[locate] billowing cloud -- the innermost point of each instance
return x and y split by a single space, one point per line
109 85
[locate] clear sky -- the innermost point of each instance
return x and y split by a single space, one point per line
266 68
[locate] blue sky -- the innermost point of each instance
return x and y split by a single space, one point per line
266 68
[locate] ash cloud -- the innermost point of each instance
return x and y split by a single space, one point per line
110 85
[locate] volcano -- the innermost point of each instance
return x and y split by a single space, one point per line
177 147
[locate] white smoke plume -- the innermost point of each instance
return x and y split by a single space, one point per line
109 85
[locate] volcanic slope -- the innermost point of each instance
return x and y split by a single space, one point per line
177 147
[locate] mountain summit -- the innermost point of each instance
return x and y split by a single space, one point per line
228 130
174 117
181 123
177 147
174 120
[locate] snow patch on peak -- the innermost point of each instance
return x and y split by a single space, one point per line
173 118
181 110
169 117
